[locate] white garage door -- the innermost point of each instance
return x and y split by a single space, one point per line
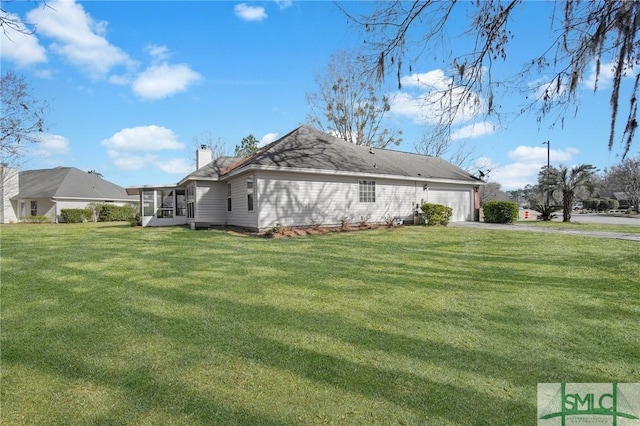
459 201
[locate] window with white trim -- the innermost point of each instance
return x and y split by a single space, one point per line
367 191
228 197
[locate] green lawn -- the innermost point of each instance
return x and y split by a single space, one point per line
108 324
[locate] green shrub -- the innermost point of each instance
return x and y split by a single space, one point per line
546 212
113 213
75 215
436 214
135 220
611 204
601 204
590 204
500 211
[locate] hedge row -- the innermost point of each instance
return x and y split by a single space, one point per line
113 213
600 204
500 211
101 213
76 215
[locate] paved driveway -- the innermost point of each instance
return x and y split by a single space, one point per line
605 219
530 228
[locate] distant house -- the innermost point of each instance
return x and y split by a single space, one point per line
624 199
308 177
46 192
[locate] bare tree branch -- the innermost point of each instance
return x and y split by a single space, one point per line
590 33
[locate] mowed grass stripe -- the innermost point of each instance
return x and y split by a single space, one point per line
108 324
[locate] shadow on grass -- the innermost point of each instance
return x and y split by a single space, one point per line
227 297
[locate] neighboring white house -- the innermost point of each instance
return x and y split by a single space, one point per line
47 192
305 178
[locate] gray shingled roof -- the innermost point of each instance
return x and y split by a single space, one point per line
68 182
309 148
212 170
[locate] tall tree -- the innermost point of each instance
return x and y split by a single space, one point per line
583 34
492 191
567 181
248 145
626 178
348 104
22 120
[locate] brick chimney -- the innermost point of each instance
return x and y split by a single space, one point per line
203 156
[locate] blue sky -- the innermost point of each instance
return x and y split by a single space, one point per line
132 84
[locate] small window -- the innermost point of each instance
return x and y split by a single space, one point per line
228 197
367 191
250 194
34 208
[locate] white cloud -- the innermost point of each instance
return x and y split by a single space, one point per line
78 37
162 80
157 52
132 161
179 166
128 161
81 40
20 47
539 154
267 139
283 4
50 145
516 175
605 76
131 149
428 98
432 80
250 13
474 130
143 138
527 163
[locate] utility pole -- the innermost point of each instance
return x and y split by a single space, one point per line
547 172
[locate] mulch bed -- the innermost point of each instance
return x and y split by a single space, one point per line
290 232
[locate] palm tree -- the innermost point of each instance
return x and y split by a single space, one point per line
568 181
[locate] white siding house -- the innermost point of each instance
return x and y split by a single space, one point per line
308 177
47 192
